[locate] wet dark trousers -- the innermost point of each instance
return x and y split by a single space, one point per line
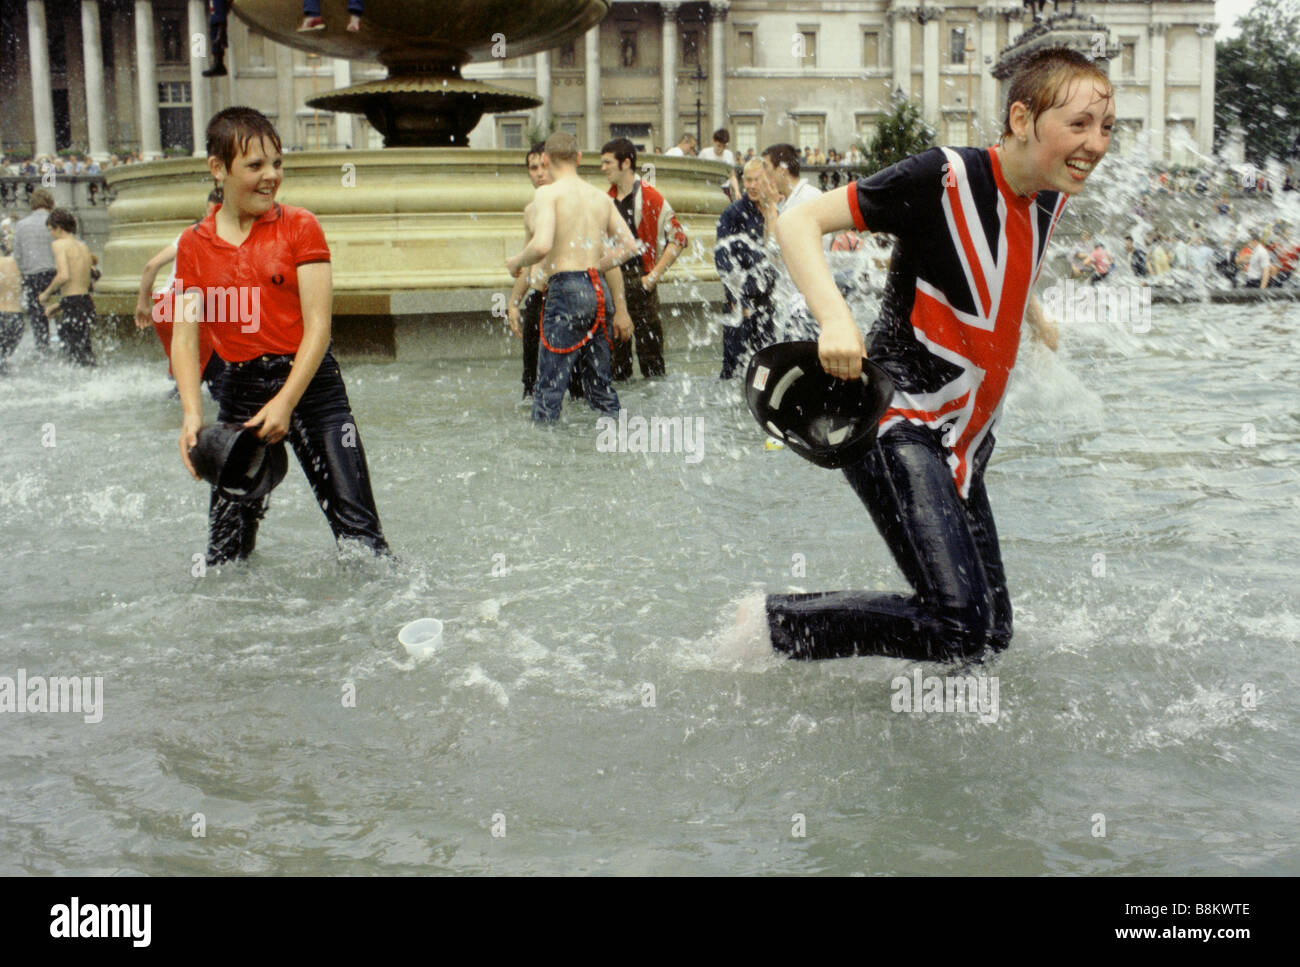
742 341
11 333
946 547
647 330
33 286
324 436
76 318
567 322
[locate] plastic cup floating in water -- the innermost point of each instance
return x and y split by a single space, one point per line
421 638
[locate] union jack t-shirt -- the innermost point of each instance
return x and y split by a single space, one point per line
969 251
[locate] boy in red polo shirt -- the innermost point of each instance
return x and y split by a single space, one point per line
256 275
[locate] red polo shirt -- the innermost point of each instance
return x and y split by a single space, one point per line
250 292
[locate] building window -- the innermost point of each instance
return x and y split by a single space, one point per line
627 46
174 94
172 47
870 48
638 134
867 131
510 133
810 133
1126 137
744 48
569 127
1128 59
957 50
806 48
690 48
744 137
568 58
316 133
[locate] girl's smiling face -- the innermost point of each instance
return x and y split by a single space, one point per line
253 179
1069 139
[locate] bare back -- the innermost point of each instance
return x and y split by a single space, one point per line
582 222
77 257
11 285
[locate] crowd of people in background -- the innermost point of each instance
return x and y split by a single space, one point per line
1259 257
71 164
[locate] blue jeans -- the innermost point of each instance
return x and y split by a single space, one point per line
946 547
325 439
567 321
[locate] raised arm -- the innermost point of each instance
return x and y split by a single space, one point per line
143 310
799 233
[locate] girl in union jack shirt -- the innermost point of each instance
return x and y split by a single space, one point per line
972 227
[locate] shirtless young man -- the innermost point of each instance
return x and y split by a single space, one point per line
525 310
11 304
72 276
571 223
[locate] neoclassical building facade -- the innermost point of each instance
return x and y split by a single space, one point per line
104 76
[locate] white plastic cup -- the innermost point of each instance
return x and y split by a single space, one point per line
421 638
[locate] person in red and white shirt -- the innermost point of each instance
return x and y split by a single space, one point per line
652 221
256 274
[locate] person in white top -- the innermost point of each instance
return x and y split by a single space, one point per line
719 152
1261 264
781 164
685 148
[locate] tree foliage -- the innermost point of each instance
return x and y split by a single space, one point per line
1256 85
901 134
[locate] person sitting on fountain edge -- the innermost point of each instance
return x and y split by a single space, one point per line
973 226
274 334
573 221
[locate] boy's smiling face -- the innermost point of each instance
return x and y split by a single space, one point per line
251 183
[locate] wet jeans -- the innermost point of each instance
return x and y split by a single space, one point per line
33 286
946 547
324 436
573 334
530 322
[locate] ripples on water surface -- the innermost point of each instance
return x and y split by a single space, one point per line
570 580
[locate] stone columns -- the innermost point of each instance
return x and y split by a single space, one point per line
342 120
668 74
989 119
718 59
931 104
901 17
38 48
544 87
286 122
592 81
146 65
93 71
1205 122
1156 106
200 103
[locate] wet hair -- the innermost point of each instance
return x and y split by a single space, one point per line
538 148
722 135
215 196
230 131
62 218
784 156
563 147
42 199
1043 82
623 150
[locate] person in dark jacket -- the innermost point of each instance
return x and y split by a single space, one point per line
747 275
